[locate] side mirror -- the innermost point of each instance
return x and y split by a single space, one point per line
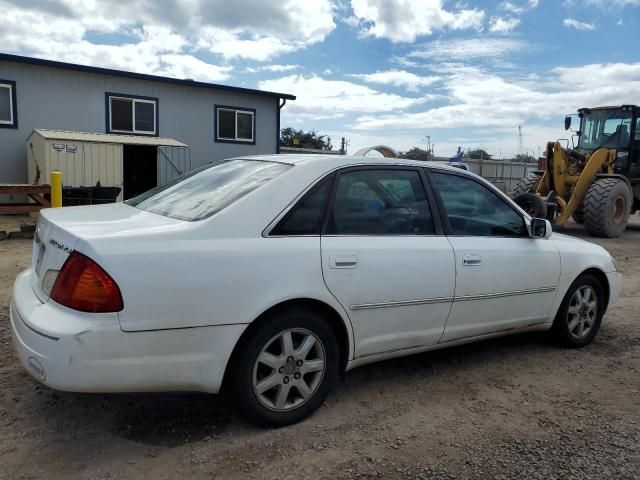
567 122
540 228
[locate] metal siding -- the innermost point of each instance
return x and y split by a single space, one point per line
103 163
179 157
70 164
57 99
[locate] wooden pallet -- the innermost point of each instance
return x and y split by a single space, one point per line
34 192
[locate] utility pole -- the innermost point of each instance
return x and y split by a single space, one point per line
429 151
520 149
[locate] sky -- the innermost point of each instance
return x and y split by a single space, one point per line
391 72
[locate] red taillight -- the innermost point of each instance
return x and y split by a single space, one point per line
83 285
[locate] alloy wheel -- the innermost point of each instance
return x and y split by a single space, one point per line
582 312
289 369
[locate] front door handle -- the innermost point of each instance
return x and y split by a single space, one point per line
471 260
343 261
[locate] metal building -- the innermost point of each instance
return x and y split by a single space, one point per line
215 121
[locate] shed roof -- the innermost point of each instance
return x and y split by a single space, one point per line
140 76
108 138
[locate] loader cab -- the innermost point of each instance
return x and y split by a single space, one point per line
612 128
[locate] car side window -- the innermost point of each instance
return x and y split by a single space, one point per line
380 202
305 218
473 209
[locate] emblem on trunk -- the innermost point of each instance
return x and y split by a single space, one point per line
62 247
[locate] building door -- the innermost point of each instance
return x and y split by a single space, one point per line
140 169
102 162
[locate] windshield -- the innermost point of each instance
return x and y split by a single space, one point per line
605 129
204 191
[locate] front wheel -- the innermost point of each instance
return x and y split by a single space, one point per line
580 314
606 207
286 368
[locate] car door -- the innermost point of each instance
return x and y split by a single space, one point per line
385 259
505 279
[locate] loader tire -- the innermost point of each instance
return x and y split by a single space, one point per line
606 207
525 185
531 203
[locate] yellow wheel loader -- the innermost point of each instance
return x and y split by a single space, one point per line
597 182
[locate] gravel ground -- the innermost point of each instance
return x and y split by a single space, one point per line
516 407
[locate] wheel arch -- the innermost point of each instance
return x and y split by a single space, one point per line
604 282
336 321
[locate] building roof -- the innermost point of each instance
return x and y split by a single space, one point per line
139 76
108 138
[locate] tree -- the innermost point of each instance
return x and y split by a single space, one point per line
290 137
478 153
416 154
525 158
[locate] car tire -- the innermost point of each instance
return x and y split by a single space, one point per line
273 366
577 321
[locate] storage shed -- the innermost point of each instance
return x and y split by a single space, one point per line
133 163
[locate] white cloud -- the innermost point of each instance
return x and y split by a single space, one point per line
259 38
459 50
515 101
163 36
319 97
272 68
398 78
512 8
573 23
405 20
503 24
187 66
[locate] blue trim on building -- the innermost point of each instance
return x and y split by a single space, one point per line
14 105
239 109
108 95
139 76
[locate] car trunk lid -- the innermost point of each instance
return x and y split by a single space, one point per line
59 232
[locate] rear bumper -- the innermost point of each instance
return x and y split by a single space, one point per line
79 352
615 287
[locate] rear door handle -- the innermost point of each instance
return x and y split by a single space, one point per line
343 261
471 260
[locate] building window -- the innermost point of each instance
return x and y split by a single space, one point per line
235 125
129 114
8 108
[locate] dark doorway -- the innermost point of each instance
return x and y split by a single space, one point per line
140 169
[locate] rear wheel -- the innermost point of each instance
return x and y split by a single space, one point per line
606 207
287 368
526 185
580 314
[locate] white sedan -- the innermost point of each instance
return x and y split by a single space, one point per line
274 274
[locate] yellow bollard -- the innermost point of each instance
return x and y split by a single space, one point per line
56 189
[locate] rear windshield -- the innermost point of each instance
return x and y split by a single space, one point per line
205 191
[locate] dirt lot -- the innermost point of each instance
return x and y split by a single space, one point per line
517 407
